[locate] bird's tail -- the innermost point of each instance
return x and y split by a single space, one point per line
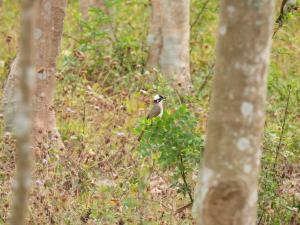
139 139
141 135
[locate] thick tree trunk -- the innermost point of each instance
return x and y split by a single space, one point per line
168 41
23 121
47 33
227 188
48 27
155 35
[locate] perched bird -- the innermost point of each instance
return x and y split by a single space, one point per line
157 109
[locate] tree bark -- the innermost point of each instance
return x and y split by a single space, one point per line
168 41
226 192
23 121
48 27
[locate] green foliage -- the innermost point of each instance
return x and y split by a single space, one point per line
105 52
98 102
173 141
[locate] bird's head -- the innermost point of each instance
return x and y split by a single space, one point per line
158 98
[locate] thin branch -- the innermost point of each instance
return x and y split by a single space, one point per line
282 129
183 208
261 217
284 10
206 79
71 37
281 15
199 15
183 175
154 201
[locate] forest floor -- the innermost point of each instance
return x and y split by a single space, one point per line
103 93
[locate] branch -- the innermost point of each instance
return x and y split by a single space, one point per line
182 171
199 14
282 129
285 8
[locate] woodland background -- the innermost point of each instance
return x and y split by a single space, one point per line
102 96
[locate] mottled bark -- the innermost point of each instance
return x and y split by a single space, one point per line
47 34
227 187
168 41
155 35
23 121
48 27
10 96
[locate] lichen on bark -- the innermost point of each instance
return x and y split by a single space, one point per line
48 27
168 41
236 119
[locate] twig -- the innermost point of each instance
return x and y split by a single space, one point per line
261 217
282 14
71 37
182 171
179 97
183 208
139 137
282 129
199 14
154 201
206 79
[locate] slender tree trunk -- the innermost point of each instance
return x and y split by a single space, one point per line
23 121
48 27
168 41
226 193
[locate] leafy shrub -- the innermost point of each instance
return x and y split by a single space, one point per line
174 143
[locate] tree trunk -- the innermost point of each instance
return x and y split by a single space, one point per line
23 121
226 192
48 27
168 41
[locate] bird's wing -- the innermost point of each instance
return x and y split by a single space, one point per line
155 111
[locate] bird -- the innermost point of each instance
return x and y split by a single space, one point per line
156 111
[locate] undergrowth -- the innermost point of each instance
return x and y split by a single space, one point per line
105 176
